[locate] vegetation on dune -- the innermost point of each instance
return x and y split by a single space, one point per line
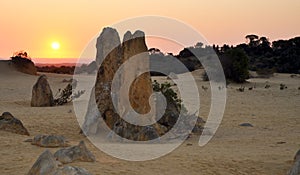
282 56
22 62
257 54
57 70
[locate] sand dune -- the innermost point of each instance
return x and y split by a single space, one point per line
266 148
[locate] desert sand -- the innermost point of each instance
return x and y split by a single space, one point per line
266 148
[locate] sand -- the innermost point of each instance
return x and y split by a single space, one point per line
266 148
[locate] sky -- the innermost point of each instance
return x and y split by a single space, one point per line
34 26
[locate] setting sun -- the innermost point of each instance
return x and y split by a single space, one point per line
55 45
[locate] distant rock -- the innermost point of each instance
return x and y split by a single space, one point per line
41 93
67 80
47 165
49 141
172 76
74 153
92 67
11 124
246 124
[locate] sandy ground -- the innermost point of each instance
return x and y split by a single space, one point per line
266 148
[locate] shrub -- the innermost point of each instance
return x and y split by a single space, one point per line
235 65
170 95
67 94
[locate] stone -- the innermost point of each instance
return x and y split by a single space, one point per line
74 153
198 128
50 141
297 156
148 133
67 80
139 91
111 54
110 57
11 124
246 124
41 93
136 133
295 170
71 170
92 120
172 76
107 41
92 67
170 116
47 165
44 165
141 88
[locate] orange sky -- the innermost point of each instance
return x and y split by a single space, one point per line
33 25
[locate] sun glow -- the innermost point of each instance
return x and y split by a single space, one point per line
55 45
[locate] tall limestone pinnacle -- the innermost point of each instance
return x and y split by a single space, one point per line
141 89
106 42
111 54
122 91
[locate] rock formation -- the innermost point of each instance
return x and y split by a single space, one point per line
47 165
112 55
141 88
74 153
295 170
41 93
92 120
71 170
172 76
11 124
49 141
109 55
107 41
297 156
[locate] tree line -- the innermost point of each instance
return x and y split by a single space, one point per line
257 54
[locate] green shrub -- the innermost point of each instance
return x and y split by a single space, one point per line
170 95
235 65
